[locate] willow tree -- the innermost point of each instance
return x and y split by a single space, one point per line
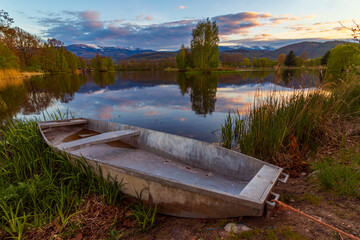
343 59
205 45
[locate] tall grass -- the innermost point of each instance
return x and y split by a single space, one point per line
9 73
38 185
307 117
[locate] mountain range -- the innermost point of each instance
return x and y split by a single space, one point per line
310 49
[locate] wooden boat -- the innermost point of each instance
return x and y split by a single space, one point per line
184 177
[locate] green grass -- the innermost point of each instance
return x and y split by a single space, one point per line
271 126
269 234
341 173
38 185
145 215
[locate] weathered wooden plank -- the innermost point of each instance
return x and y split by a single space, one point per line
62 123
97 139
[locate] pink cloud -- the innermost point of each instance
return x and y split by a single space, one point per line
146 17
150 113
106 113
91 19
181 7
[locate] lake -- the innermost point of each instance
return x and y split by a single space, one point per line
191 105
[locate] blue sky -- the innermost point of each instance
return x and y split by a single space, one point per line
165 25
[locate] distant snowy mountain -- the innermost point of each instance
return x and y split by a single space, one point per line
117 53
251 48
312 50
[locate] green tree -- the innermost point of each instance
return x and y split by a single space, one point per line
299 61
325 58
263 62
7 59
342 60
290 59
181 58
280 60
246 62
204 45
254 62
110 64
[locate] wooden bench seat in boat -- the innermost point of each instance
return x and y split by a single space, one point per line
97 139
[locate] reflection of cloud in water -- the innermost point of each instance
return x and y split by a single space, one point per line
153 113
243 97
188 106
105 113
181 119
101 91
123 104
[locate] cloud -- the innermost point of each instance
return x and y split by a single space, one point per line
279 20
181 7
105 113
152 113
87 27
239 22
146 17
300 27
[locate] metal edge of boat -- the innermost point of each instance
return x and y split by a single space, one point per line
228 205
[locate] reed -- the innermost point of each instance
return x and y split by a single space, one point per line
306 118
9 73
38 185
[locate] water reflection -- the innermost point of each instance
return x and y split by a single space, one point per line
183 104
202 90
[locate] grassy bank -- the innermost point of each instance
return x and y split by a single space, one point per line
39 186
292 125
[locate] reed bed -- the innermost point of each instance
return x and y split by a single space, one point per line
9 73
290 124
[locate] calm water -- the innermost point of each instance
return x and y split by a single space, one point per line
187 105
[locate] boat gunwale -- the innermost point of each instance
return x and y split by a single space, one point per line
257 203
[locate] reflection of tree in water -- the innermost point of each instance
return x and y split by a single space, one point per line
102 79
287 75
202 90
36 94
249 76
13 97
149 76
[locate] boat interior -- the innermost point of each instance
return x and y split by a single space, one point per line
116 149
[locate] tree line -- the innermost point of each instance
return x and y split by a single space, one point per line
21 50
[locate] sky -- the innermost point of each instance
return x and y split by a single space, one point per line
165 25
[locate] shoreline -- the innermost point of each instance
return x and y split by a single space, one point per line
30 74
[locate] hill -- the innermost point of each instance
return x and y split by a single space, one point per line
152 55
117 53
311 49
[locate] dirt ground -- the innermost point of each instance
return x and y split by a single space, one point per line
96 220
343 213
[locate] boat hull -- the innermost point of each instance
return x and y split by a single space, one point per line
181 198
174 201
